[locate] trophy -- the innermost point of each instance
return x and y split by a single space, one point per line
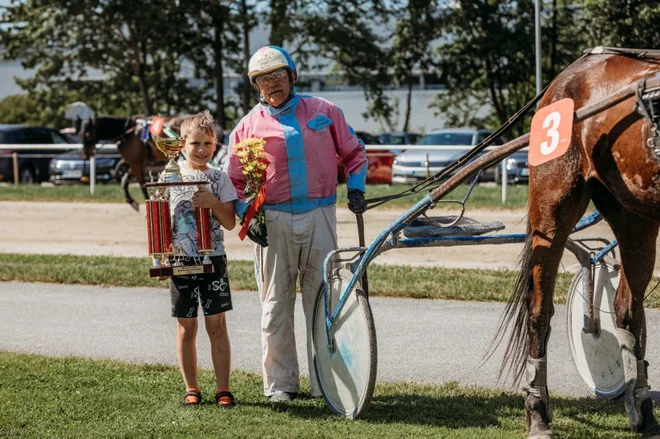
170 146
166 257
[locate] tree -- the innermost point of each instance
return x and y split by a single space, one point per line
562 45
20 109
343 32
417 26
621 23
248 22
212 45
486 59
139 53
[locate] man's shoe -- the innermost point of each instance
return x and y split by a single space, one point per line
282 396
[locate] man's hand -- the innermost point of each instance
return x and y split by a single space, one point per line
204 198
356 202
257 233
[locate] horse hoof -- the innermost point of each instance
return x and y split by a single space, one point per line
649 428
135 206
652 432
547 434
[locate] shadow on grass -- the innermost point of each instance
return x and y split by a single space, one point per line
466 411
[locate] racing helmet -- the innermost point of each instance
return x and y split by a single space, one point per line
268 59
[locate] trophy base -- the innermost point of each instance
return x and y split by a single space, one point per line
184 270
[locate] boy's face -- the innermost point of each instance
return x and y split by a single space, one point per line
199 148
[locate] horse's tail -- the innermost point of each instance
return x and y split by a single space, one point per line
515 317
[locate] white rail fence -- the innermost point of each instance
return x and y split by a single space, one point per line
14 151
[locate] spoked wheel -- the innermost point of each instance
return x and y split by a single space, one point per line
597 357
346 368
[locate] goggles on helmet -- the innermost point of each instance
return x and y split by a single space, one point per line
271 77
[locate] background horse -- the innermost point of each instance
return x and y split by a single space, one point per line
126 134
609 163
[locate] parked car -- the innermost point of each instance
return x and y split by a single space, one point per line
70 167
517 168
379 162
367 138
32 163
399 138
415 165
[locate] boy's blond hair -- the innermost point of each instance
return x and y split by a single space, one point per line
199 122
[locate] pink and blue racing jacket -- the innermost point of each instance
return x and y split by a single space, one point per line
303 140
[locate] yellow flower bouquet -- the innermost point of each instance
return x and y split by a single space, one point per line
251 155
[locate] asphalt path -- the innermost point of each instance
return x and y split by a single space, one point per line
429 341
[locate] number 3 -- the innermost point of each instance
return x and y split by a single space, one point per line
553 118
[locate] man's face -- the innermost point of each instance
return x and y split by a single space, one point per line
274 86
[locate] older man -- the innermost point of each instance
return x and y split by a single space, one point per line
304 135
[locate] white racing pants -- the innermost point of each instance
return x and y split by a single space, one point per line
297 246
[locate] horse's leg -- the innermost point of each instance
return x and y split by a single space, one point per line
134 153
124 185
637 238
140 178
555 205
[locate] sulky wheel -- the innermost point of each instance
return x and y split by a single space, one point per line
346 369
597 357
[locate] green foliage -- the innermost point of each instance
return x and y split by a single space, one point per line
417 26
135 52
345 31
20 109
75 397
216 44
384 280
621 23
123 59
482 197
487 59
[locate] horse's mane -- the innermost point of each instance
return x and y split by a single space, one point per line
648 54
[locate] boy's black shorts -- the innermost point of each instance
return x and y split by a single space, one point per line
212 290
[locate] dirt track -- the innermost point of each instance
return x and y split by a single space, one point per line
115 229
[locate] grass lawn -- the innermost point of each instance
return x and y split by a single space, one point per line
51 397
384 280
485 197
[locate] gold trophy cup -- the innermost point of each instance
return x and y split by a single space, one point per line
171 147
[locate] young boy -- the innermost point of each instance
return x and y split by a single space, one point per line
211 290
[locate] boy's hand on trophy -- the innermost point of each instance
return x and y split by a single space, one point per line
163 277
204 198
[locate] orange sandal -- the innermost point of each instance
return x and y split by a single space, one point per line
192 397
225 400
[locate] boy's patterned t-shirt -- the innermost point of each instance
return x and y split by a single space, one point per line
184 226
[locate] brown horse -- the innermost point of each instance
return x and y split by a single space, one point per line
126 134
611 163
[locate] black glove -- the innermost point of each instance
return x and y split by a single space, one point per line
257 232
356 202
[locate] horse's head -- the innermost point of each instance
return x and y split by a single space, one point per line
88 135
